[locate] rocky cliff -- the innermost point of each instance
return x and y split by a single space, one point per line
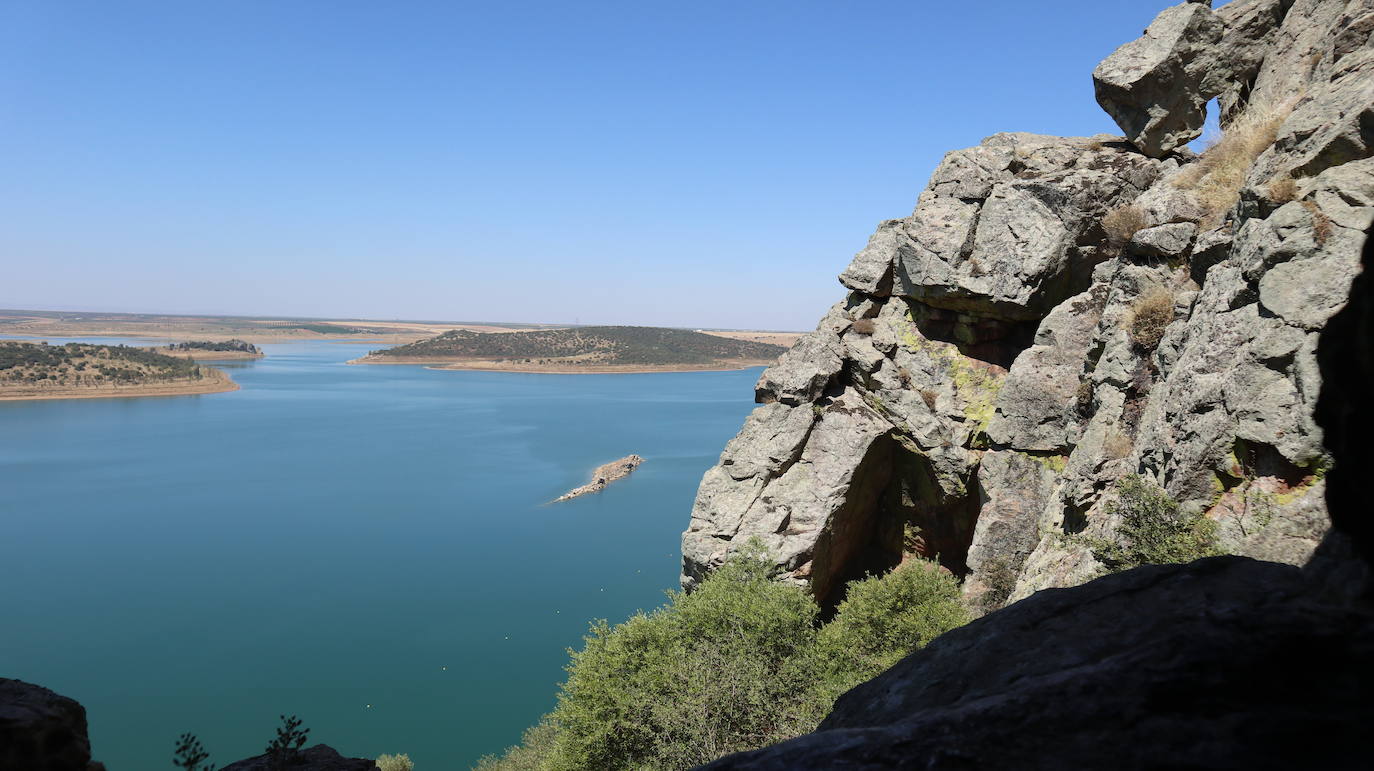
1058 313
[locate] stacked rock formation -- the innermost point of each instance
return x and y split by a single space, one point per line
992 371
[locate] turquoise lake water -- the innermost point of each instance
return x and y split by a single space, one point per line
364 546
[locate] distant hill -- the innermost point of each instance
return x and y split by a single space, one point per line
584 348
38 370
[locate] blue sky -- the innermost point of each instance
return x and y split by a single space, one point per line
690 164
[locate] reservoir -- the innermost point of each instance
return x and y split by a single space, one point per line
367 547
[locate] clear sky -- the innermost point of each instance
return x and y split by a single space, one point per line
692 163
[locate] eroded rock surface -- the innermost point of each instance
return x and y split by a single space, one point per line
987 380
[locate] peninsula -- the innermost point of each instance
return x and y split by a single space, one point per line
210 350
602 476
581 350
83 371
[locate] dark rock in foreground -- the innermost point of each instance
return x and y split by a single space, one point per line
1222 663
41 731
321 757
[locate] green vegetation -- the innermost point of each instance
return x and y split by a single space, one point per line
740 663
235 345
80 364
281 751
1153 529
594 346
394 763
288 741
191 755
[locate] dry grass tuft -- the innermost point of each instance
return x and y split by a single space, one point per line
929 397
863 326
1282 189
1150 316
1121 223
1321 224
1217 177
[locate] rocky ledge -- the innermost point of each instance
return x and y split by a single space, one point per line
602 476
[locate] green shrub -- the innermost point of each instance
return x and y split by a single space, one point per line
531 754
394 763
1153 529
882 619
713 672
740 663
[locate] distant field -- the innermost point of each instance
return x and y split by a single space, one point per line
40 324
582 349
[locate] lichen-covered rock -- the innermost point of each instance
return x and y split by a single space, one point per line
1154 86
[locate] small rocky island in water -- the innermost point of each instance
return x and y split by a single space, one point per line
602 476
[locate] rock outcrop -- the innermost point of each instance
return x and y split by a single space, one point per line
41 730
1058 313
1154 87
604 475
321 757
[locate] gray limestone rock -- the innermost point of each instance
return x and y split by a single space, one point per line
1163 240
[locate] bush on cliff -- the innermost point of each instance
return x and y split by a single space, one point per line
1153 529
740 663
883 619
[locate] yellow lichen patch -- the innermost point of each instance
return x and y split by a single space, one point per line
976 384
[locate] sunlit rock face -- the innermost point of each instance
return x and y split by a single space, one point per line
984 383
1258 383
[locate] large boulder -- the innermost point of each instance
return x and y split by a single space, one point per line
1222 663
41 730
1154 87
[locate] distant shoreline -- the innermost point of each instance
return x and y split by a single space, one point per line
214 382
200 355
545 369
